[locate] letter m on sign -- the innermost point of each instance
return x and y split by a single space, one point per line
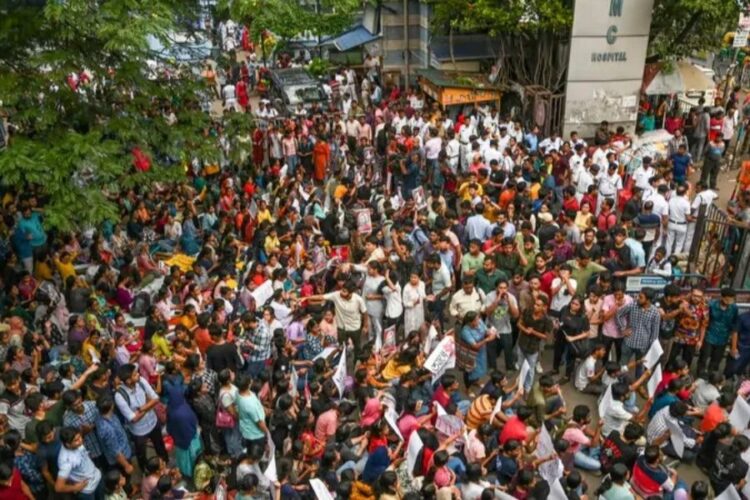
615 8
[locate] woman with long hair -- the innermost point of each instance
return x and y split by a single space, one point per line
574 327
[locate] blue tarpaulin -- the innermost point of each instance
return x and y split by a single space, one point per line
353 38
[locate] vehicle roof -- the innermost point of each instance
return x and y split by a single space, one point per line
293 76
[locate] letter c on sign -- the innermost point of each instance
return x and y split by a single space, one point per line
612 35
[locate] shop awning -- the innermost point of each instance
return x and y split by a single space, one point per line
684 77
452 88
353 38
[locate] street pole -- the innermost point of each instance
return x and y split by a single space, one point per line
406 43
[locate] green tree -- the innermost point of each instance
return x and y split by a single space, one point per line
74 145
532 35
680 28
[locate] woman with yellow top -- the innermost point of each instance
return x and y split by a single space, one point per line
90 350
401 364
64 265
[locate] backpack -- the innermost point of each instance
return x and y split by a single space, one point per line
140 306
122 392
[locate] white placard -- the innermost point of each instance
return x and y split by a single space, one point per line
653 355
320 489
654 381
442 358
270 471
605 402
523 374
497 409
729 494
412 451
677 438
262 294
339 376
629 101
389 336
440 410
551 470
391 417
740 415
740 39
450 425
557 492
293 382
325 353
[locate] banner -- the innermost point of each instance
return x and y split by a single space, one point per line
442 358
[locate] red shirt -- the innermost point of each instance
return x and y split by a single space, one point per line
514 428
13 491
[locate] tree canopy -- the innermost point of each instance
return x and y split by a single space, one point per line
82 89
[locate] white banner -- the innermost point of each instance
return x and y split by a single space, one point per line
339 376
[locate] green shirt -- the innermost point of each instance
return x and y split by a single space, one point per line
583 275
488 282
508 263
471 263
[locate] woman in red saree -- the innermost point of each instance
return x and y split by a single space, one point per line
258 139
321 158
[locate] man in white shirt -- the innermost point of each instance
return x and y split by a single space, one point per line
610 183
679 216
492 153
577 161
503 141
431 151
585 179
600 156
643 173
552 143
453 151
661 208
704 198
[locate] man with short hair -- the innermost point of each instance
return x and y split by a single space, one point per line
721 331
351 314
534 328
76 473
639 321
135 399
467 299
679 217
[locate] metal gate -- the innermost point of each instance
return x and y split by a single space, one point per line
720 249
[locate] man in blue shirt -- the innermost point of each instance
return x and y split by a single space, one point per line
30 227
532 139
111 433
738 365
722 327
680 162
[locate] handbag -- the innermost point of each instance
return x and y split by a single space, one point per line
224 419
466 356
579 348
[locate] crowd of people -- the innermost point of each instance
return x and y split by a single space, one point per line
360 309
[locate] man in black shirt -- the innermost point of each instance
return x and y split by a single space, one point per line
621 449
222 354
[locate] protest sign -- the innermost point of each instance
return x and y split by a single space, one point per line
320 489
364 224
730 493
449 424
339 376
497 409
654 381
389 336
325 353
412 451
420 200
551 470
442 358
740 416
677 437
293 382
262 293
605 402
653 355
391 417
557 492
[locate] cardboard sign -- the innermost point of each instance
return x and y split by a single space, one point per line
420 200
391 417
441 358
654 381
740 416
364 223
340 252
262 294
320 489
449 424
653 355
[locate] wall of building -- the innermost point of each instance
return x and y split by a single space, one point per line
607 57
394 47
